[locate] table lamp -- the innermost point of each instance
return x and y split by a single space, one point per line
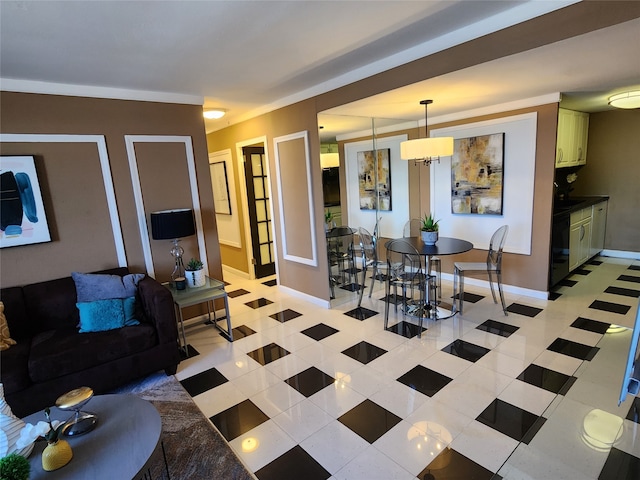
173 225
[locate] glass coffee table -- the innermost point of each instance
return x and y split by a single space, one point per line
210 291
125 442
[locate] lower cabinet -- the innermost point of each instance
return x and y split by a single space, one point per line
598 226
580 238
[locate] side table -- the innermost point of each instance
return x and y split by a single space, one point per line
210 291
125 443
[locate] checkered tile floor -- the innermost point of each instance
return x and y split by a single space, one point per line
305 392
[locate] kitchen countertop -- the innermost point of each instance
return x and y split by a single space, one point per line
574 204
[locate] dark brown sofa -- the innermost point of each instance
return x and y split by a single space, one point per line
51 356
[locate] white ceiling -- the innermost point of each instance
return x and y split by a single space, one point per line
250 57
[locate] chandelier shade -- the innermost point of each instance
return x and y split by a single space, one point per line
426 149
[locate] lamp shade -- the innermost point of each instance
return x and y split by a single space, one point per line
172 224
423 148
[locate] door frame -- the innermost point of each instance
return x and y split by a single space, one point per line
244 200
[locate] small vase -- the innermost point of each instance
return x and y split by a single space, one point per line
195 278
56 455
429 238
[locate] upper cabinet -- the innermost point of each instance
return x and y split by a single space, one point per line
571 144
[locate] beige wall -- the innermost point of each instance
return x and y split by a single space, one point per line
73 189
613 168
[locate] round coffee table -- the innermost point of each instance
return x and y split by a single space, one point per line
122 445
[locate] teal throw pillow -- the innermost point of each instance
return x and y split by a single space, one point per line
102 315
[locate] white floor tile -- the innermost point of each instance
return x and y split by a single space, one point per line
372 464
484 445
262 445
302 420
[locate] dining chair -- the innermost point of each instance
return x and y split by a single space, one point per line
340 253
492 266
369 258
405 270
412 228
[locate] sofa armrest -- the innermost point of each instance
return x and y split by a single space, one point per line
157 303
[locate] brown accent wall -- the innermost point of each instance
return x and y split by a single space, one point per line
73 189
613 168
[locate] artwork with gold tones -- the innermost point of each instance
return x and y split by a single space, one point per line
477 175
367 180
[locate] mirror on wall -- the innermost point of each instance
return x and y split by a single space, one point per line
365 184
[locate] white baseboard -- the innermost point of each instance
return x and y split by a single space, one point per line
620 254
233 271
543 295
309 298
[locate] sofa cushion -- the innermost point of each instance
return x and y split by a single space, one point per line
5 335
104 315
92 287
60 352
14 367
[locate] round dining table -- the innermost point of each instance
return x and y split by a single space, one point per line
444 246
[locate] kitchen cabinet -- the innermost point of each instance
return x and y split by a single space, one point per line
571 141
598 226
580 237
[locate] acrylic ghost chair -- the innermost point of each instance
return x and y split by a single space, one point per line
493 266
369 259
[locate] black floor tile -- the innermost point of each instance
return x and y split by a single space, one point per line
369 420
451 465
594 262
294 464
188 352
627 292
469 297
581 271
242 331
310 381
620 466
497 328
590 325
629 278
364 352
554 296
610 307
573 349
271 283
351 287
268 353
239 419
260 302
535 428
285 315
508 419
634 267
237 293
567 283
424 380
361 313
203 381
550 380
406 329
320 331
634 411
466 350
394 299
523 310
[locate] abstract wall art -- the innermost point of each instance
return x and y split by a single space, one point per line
374 189
22 216
477 169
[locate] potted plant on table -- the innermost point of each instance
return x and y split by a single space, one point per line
195 273
58 452
328 220
429 230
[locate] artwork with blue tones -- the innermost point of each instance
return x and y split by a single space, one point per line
22 217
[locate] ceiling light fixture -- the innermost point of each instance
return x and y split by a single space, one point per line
625 99
214 114
426 150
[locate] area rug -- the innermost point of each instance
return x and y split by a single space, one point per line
193 447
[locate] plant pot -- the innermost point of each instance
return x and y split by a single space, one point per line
429 238
195 278
56 455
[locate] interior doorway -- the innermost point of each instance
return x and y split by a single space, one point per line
259 210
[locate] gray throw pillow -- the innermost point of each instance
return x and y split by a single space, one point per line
91 286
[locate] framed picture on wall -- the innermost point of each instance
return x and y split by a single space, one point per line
477 169
220 185
22 217
374 189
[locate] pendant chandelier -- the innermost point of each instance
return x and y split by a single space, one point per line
426 150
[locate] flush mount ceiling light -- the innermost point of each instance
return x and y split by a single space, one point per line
426 150
214 114
625 99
